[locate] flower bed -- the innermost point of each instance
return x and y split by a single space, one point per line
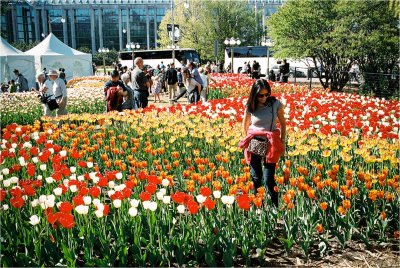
169 186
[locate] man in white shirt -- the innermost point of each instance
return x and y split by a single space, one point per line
45 88
60 92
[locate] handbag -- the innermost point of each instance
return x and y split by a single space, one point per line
258 146
52 104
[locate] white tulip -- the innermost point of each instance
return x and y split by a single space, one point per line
43 167
82 209
39 177
5 171
35 159
134 203
181 209
81 178
5 207
146 204
165 182
111 184
49 180
34 203
42 199
159 195
133 211
200 198
14 180
57 191
99 213
227 199
217 194
73 188
118 175
72 177
50 203
63 153
89 164
34 219
163 190
153 206
174 221
87 200
110 193
51 150
117 203
72 169
6 183
166 199
96 202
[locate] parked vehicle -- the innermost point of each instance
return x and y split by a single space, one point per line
293 72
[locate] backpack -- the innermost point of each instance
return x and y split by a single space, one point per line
114 98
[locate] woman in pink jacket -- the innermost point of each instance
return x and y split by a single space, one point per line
259 127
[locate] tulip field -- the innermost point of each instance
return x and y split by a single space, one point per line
169 186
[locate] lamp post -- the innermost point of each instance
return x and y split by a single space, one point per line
103 51
186 5
232 42
132 46
51 21
267 43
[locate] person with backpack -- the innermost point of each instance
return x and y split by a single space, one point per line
171 77
114 90
21 82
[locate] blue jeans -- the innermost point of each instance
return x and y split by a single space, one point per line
258 176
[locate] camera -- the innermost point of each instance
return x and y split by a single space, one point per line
44 99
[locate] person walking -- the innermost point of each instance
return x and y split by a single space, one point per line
171 78
21 82
60 92
263 142
284 70
140 84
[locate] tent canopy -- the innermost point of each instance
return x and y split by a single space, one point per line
12 58
51 53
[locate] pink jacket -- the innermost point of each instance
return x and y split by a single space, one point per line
275 147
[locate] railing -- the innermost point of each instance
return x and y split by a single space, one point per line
377 84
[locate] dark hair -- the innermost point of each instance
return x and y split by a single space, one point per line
115 73
252 101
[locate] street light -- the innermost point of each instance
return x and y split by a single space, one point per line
103 51
267 43
232 42
51 21
133 46
185 5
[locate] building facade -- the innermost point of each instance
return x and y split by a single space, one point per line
93 23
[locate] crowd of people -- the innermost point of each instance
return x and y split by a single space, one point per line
130 89
50 88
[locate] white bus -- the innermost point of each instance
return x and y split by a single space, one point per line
249 54
155 57
260 53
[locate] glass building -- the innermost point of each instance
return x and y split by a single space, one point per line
93 23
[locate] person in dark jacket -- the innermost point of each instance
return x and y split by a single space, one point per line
171 78
21 82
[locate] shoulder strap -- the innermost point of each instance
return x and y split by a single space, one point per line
273 116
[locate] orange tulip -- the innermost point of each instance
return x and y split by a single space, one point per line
346 203
323 206
320 228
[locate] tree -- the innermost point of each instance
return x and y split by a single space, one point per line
336 34
23 46
206 21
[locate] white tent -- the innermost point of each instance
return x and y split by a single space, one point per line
12 58
53 54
